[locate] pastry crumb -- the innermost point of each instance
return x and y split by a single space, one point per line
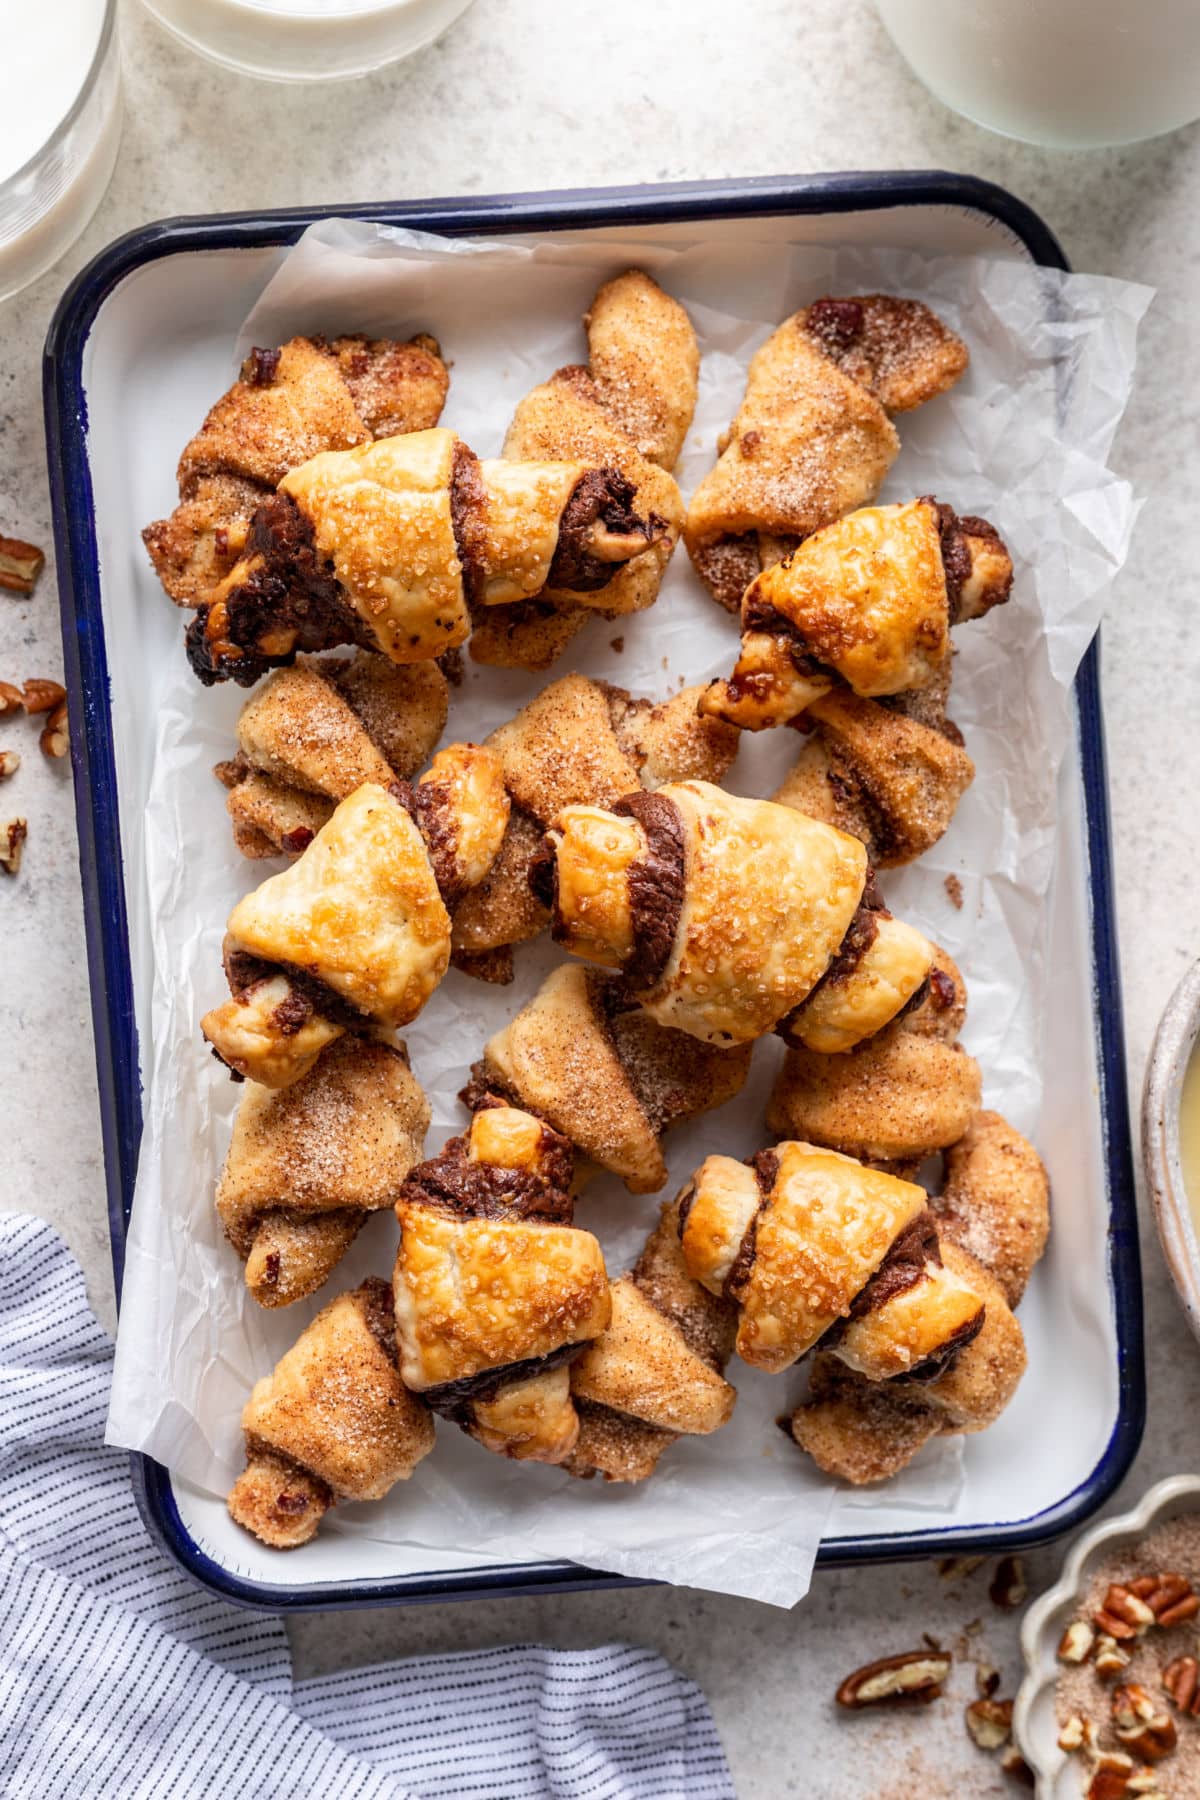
953 887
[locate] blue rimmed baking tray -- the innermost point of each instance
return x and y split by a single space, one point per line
932 211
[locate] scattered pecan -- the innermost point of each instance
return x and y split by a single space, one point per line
12 839
1016 1768
55 739
1144 1783
1110 1776
11 698
915 1675
1008 1587
1181 1679
43 696
989 1722
1110 1657
987 1680
1077 1733
954 1568
1123 1615
20 566
1077 1642
10 762
1145 1732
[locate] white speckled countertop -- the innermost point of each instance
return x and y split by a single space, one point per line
668 92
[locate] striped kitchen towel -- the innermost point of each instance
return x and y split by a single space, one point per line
120 1677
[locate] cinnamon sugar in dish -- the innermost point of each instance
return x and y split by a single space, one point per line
1095 1693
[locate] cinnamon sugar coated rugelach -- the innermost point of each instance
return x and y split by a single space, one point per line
729 917
813 437
384 546
287 404
495 1288
333 1421
629 410
611 1080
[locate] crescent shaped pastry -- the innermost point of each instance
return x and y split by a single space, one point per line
383 545
723 914
311 734
288 404
610 1080
813 438
812 1245
656 1373
867 602
332 1422
495 1289
306 1164
352 936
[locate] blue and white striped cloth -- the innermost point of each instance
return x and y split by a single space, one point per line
120 1677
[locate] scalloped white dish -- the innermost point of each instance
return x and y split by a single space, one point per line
1034 1722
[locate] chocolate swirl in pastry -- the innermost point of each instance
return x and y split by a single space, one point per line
656 1373
495 1289
610 1079
813 438
895 1099
313 733
332 1422
867 602
352 937
812 1245
993 1219
384 546
578 740
723 915
629 411
307 1164
286 406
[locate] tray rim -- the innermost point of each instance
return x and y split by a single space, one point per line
101 868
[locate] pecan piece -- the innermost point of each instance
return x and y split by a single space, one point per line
1181 1679
1077 1642
1122 1614
1077 1733
989 1722
20 566
1016 1768
1110 1776
1171 1598
1008 1587
1143 1730
55 739
1110 1657
12 839
915 1675
43 696
10 762
11 698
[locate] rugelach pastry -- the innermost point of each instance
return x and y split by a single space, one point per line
385 546
992 1218
608 1077
306 1164
813 437
311 734
867 603
728 918
813 1246
354 936
332 1422
628 410
495 1289
286 405
656 1374
578 740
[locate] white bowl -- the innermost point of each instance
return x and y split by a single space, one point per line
301 40
1034 1723
1161 1161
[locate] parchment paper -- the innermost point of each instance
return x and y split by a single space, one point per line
1024 440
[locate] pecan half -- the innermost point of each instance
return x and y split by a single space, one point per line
1077 1642
11 698
1181 1679
989 1722
55 739
10 762
1008 1586
43 696
915 1675
1170 1597
12 840
1142 1729
1110 1776
20 566
1077 1733
1122 1614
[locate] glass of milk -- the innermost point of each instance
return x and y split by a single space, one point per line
60 124
1071 74
306 40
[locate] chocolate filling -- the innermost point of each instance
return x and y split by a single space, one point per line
759 615
954 532
468 516
902 1267
454 1399
288 591
766 1172
309 994
835 326
599 494
433 813
655 885
261 367
380 1312
860 934
453 1182
936 1365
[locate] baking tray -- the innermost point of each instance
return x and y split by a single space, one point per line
231 256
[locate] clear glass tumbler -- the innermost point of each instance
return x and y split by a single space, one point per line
306 40
1071 74
60 127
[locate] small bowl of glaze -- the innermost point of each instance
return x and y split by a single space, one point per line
1035 1725
1171 1138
